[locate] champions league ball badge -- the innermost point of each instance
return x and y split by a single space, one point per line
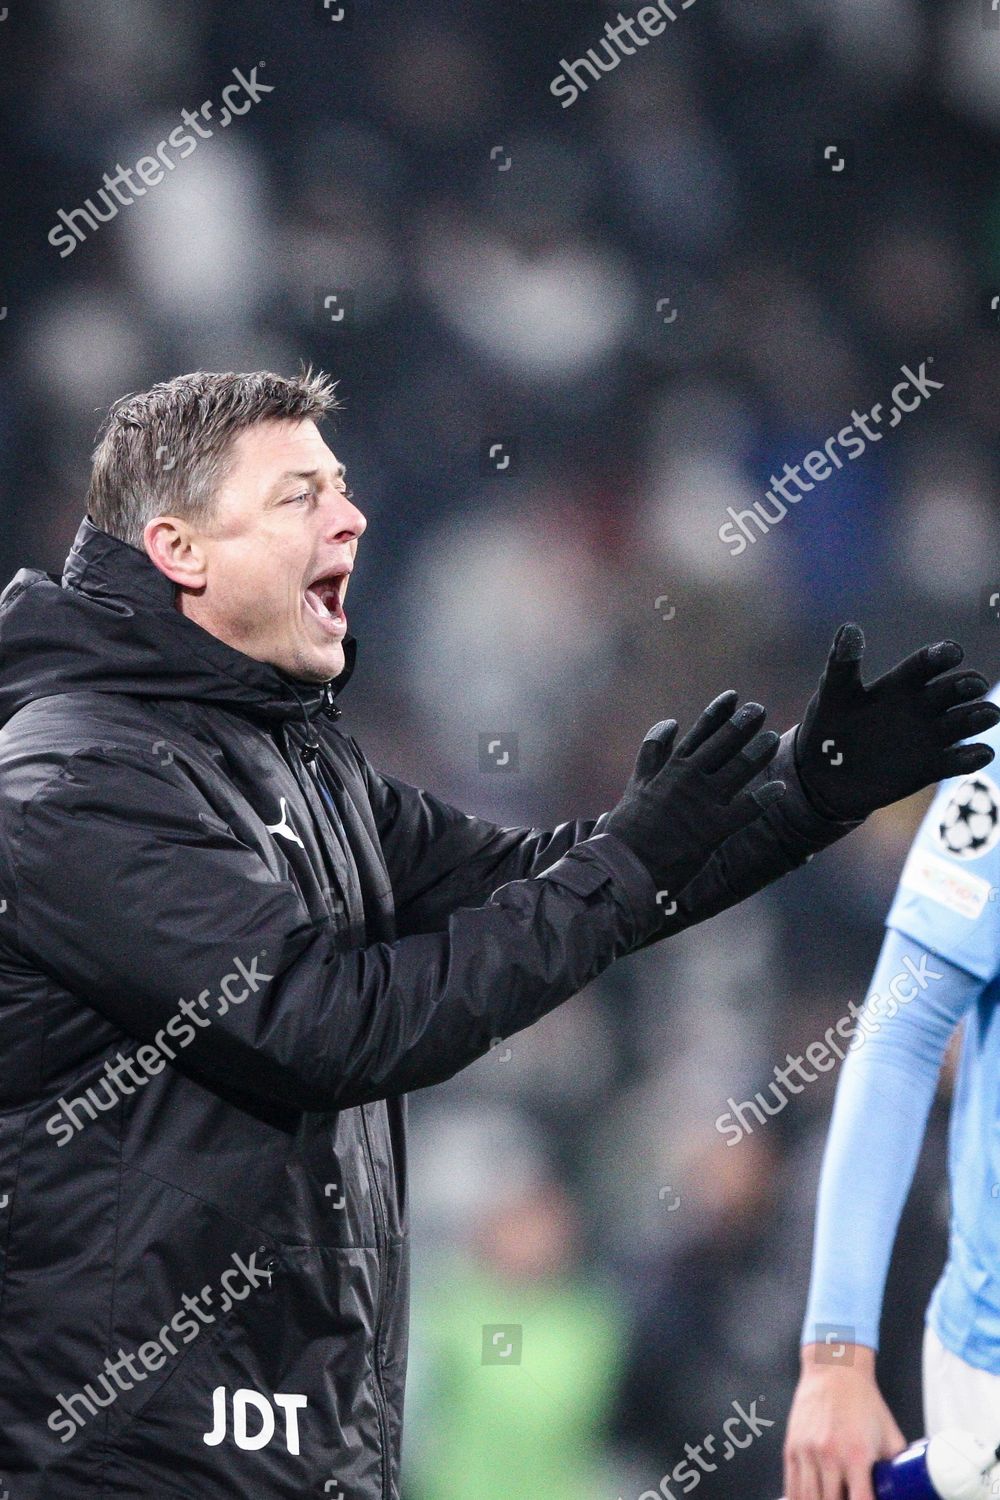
970 823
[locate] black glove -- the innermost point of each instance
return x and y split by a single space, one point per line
859 748
681 804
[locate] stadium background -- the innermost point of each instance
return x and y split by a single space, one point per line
504 260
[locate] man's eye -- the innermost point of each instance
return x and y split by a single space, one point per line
306 495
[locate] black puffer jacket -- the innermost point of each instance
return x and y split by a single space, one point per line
228 948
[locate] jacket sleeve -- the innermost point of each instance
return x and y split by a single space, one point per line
440 858
136 899
786 836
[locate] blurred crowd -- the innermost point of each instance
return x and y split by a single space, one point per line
644 305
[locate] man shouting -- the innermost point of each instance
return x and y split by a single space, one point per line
229 947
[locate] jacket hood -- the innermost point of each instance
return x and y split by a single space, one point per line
110 625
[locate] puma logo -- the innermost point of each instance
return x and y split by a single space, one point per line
283 827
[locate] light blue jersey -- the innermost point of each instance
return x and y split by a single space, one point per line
948 901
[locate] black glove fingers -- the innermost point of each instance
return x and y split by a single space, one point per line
963 760
718 712
842 673
729 739
963 722
958 686
742 768
675 820
654 750
916 670
868 748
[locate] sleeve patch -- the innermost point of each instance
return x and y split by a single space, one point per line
945 883
969 823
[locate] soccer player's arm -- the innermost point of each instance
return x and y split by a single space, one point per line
941 949
884 1094
944 926
839 1424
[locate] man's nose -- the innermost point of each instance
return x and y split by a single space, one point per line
347 521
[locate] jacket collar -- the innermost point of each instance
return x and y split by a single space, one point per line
110 624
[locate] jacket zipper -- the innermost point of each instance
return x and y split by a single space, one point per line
382 1247
381 1225
287 747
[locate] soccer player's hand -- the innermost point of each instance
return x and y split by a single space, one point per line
859 748
838 1427
683 801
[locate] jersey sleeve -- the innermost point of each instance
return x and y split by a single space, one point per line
948 898
884 1094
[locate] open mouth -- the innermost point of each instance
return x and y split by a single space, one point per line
324 596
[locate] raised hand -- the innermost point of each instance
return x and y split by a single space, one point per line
859 748
683 801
